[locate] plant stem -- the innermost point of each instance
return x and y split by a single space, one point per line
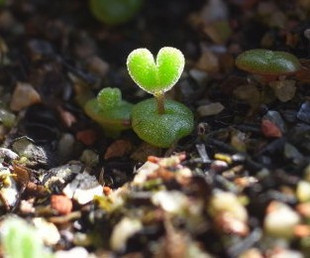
160 99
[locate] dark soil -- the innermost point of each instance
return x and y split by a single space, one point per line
238 186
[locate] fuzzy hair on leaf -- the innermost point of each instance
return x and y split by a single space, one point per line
159 76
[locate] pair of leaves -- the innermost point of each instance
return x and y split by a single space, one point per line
155 77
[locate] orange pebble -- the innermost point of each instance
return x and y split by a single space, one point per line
270 129
88 137
62 204
107 190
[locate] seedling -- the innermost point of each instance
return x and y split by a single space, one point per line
115 11
110 111
269 66
158 121
268 63
21 240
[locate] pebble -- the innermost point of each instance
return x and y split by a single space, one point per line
24 96
283 90
60 176
47 231
210 109
123 230
7 118
83 188
171 201
276 118
97 66
303 113
62 204
75 252
208 62
90 158
280 220
7 153
303 191
118 148
65 146
199 76
270 130
227 202
25 147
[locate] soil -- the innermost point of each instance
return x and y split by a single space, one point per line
237 186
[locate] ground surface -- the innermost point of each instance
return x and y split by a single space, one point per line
238 186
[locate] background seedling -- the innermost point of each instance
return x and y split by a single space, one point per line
115 11
21 240
158 121
270 66
268 63
110 111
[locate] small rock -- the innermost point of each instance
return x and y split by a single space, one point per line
67 118
7 153
118 148
210 109
87 137
62 204
304 112
83 188
280 220
171 201
75 252
292 153
227 202
283 90
285 253
90 158
65 146
270 130
97 66
25 147
144 171
251 253
276 118
58 177
199 76
24 96
208 62
122 231
47 231
7 118
303 191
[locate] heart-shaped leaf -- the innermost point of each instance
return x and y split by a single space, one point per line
155 77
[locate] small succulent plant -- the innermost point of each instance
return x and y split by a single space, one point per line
21 240
110 111
267 62
158 121
269 66
114 12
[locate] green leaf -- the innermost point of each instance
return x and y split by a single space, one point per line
109 98
21 240
268 62
161 130
110 111
155 77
